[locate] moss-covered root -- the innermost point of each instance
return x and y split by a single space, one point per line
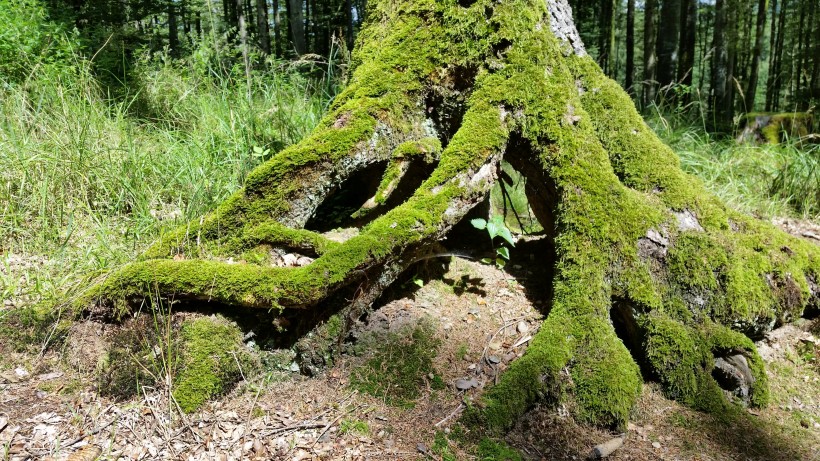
212 358
602 384
682 358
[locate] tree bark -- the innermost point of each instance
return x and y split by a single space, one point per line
649 56
650 268
296 23
670 23
277 28
630 47
262 26
751 87
688 35
173 30
606 36
719 102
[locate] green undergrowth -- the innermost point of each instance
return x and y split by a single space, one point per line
398 365
767 180
88 180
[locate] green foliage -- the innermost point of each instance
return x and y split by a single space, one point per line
88 181
30 43
508 198
496 227
441 447
399 365
771 180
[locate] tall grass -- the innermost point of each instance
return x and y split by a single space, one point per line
87 180
763 180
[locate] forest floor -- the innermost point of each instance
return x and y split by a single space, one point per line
474 318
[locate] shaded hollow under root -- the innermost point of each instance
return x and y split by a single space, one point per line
489 80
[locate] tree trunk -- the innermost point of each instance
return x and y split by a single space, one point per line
243 41
773 86
606 36
262 27
277 29
719 102
173 30
688 35
751 87
650 268
630 47
649 56
668 41
296 23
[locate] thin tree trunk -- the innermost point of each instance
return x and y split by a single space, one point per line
277 28
630 46
688 37
720 60
649 57
797 61
349 18
243 40
606 36
173 32
262 27
815 73
731 63
668 41
296 23
803 74
198 24
751 87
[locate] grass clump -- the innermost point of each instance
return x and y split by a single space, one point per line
781 180
399 364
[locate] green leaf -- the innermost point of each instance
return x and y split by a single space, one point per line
506 235
500 262
479 223
419 282
492 229
487 260
504 252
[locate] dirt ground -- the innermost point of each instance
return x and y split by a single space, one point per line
483 318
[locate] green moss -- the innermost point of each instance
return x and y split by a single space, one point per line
212 358
675 356
493 450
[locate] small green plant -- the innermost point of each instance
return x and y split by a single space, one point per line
354 426
495 227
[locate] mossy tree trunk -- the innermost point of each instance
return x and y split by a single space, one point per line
440 93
